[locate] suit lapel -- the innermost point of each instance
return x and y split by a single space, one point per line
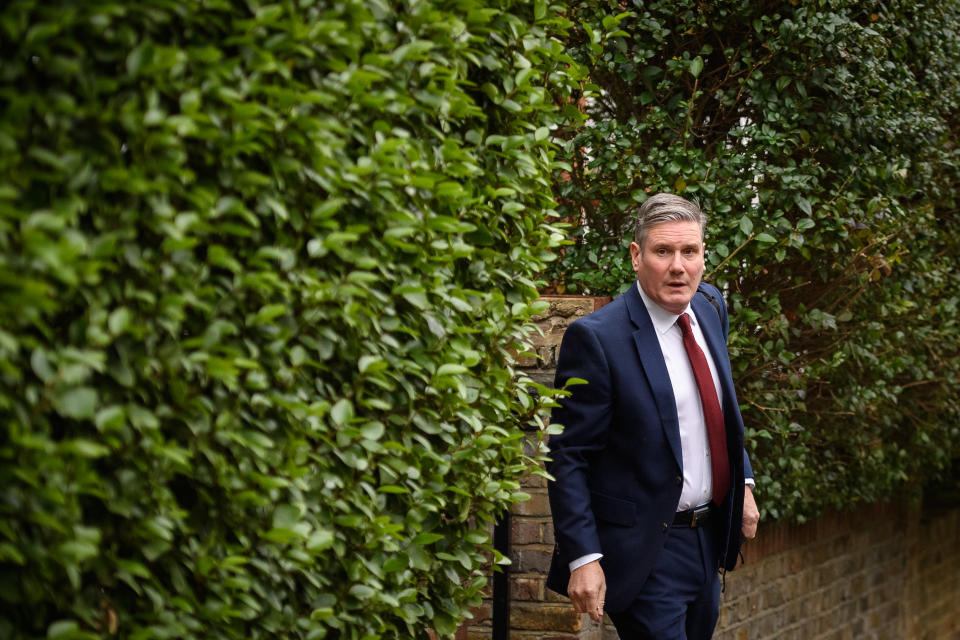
651 359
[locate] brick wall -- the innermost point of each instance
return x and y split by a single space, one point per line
879 571
887 571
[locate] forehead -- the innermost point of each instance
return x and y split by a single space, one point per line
674 233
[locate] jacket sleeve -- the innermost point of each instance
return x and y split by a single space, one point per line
585 416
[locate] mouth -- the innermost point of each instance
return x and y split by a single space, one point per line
677 285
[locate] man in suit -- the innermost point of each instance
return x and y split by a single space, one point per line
652 488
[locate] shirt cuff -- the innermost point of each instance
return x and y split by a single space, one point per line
582 560
749 482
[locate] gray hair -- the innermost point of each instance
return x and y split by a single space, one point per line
666 207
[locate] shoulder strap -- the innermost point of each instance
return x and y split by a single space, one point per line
711 299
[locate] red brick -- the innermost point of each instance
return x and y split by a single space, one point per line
544 617
531 560
537 505
526 589
553 596
481 614
531 481
524 531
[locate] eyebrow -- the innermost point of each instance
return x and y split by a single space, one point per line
666 245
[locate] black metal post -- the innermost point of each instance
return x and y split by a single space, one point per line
501 581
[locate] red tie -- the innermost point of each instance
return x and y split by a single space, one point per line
716 434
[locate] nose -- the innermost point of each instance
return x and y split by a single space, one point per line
676 265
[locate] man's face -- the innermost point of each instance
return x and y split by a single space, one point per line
670 265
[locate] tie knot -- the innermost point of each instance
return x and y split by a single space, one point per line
684 322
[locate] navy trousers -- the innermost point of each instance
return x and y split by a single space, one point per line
681 598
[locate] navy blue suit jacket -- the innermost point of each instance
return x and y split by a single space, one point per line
617 466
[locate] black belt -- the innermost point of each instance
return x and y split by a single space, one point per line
694 518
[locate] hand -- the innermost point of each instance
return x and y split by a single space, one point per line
587 589
751 515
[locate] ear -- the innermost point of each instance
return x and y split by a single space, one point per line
635 256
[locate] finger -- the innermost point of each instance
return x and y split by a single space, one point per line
585 600
597 614
596 611
578 605
581 604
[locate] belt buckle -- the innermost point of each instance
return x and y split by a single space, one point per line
696 514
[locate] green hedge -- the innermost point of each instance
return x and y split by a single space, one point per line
821 139
263 270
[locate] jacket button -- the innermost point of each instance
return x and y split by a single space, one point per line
679 481
665 527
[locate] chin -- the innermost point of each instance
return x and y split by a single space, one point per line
678 303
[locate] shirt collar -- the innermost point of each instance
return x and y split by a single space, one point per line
661 318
